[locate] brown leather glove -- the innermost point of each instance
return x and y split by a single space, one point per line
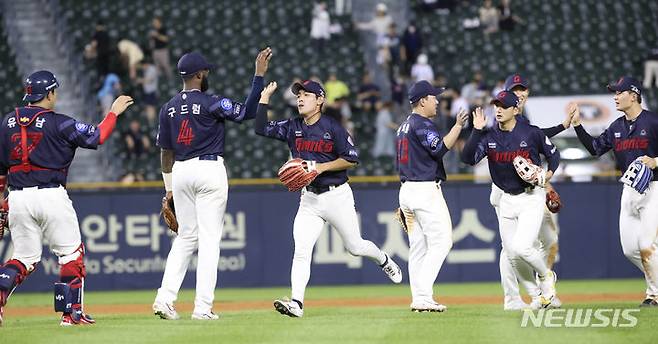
168 213
297 173
553 201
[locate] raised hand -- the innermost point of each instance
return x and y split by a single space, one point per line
462 118
121 104
574 111
263 61
479 121
267 92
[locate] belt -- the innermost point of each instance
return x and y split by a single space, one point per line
520 191
44 186
321 189
208 157
438 181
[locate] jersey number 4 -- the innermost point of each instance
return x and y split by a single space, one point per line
185 134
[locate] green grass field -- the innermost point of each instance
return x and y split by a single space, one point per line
326 323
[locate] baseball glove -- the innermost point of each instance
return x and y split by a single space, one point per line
297 173
168 213
553 201
638 176
4 217
406 220
529 172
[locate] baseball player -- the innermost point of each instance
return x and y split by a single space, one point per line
37 146
323 142
633 138
191 136
521 207
548 233
426 218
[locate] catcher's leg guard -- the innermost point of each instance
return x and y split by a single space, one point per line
12 274
69 292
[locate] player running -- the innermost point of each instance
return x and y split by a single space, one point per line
324 143
423 209
37 146
191 136
548 232
633 138
521 206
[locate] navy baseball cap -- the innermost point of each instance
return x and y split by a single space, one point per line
506 99
423 89
626 83
308 86
193 62
38 84
515 80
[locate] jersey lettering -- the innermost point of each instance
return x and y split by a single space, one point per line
320 146
628 144
504 157
185 134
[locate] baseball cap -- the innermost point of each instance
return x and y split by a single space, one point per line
515 80
422 89
193 62
308 86
506 99
626 83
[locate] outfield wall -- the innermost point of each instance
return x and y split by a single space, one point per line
127 243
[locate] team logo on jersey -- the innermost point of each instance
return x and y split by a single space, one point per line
643 132
236 109
298 133
617 135
24 119
523 144
226 104
492 145
349 140
352 152
184 96
326 136
81 127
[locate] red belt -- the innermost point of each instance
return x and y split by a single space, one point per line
29 167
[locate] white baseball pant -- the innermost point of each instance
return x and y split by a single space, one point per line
335 206
200 189
638 227
430 235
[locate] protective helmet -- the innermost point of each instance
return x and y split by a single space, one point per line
38 84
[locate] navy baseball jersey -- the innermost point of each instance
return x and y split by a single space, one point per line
628 139
420 150
51 141
501 147
323 141
192 122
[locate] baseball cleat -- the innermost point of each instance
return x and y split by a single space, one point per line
205 316
535 304
165 311
514 304
547 285
427 306
649 302
392 270
69 319
4 295
289 308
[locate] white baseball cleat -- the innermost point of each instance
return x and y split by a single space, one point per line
514 304
427 306
165 311
547 285
536 303
205 316
392 270
289 308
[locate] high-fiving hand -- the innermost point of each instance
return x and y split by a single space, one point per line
263 61
479 121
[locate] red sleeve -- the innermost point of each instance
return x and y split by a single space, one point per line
107 126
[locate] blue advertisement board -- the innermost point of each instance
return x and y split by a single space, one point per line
127 243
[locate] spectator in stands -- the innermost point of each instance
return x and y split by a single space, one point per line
422 70
389 50
111 89
149 82
438 6
489 17
137 147
380 23
100 48
500 86
368 95
291 99
385 131
343 7
131 56
472 90
320 27
335 89
507 19
412 43
159 44
651 68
